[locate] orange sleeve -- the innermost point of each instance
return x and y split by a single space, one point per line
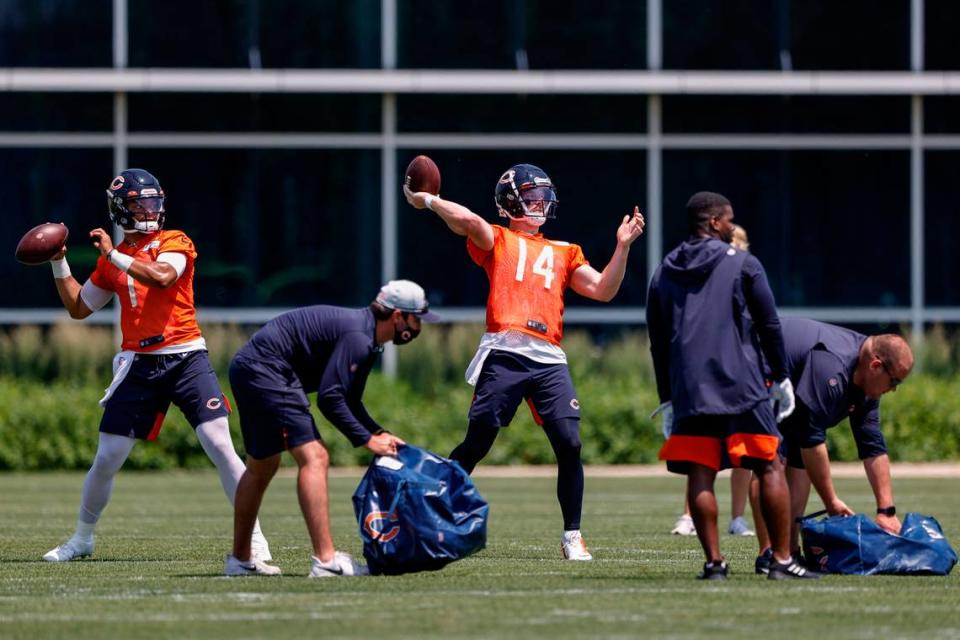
99 276
177 241
577 259
480 256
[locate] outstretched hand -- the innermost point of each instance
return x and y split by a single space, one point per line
384 444
889 523
417 200
631 228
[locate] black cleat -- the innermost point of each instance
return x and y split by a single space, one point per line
761 565
714 571
791 570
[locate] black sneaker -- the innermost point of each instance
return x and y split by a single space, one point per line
791 570
762 564
714 571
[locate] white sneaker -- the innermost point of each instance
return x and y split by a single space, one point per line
259 549
573 546
684 526
232 566
739 527
343 564
72 549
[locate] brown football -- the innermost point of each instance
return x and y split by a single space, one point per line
422 175
42 243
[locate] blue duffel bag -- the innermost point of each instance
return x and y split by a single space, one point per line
418 512
857 545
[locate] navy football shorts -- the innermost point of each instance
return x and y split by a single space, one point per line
139 404
508 378
273 407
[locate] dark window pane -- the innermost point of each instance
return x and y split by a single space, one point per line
56 33
941 114
255 33
56 111
743 34
535 34
51 185
275 228
588 215
940 23
941 228
522 114
830 227
785 114
254 112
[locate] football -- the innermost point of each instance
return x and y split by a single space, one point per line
422 175
42 243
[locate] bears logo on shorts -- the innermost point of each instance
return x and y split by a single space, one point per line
214 403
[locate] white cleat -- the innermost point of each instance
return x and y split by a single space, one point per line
739 527
72 549
684 526
574 548
342 564
232 566
259 549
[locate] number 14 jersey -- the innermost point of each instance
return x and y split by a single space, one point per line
528 275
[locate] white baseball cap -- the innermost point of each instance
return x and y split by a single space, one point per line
407 296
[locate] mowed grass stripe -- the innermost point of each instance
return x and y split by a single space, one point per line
157 570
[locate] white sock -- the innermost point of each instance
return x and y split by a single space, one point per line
215 439
569 536
112 452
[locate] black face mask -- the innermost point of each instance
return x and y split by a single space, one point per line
405 335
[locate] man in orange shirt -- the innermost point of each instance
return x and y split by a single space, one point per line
520 356
163 357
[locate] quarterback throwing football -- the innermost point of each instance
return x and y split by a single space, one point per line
163 358
519 355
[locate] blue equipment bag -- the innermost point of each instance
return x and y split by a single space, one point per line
857 545
418 512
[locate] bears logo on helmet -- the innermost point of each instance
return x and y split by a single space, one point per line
143 199
525 190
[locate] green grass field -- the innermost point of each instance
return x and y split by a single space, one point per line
157 571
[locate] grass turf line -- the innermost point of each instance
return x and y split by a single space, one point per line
161 542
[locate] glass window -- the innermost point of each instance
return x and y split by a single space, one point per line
254 112
48 112
521 34
856 35
522 114
255 33
786 114
589 214
51 185
940 23
832 228
941 226
941 114
275 227
56 33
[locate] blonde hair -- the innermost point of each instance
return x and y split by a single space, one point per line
740 239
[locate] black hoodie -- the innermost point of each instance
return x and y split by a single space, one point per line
708 310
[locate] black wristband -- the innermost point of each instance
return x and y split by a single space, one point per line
887 511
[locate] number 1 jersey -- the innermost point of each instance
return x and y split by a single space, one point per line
528 275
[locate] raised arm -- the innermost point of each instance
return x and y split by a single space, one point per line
160 274
460 219
603 286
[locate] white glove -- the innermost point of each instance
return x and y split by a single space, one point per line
665 411
782 398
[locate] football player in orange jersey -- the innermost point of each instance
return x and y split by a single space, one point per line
520 356
163 357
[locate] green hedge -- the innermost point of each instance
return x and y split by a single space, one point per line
50 383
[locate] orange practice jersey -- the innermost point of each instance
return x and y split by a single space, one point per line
528 275
152 317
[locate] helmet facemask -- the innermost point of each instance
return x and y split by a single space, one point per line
526 193
133 206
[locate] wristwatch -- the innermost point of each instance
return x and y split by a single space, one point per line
887 511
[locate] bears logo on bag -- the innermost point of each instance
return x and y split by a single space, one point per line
379 517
